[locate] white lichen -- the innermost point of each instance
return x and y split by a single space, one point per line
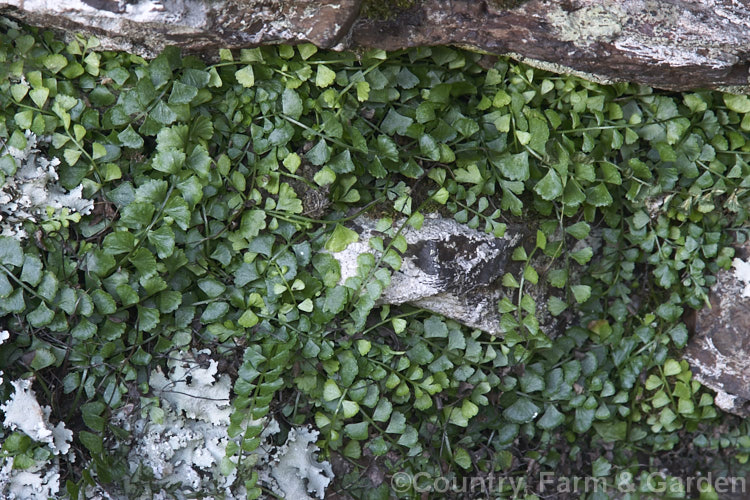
587 24
183 442
4 335
193 388
23 412
32 193
294 471
742 273
725 401
41 481
185 452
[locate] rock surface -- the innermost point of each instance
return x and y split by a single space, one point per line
664 43
145 27
449 269
673 44
719 351
456 271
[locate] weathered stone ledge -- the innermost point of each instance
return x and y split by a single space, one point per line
669 44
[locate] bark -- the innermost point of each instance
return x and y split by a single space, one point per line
671 44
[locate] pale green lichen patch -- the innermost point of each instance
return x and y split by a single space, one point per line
588 24
735 89
654 31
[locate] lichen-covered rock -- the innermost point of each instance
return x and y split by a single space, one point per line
145 27
663 43
449 269
667 44
719 351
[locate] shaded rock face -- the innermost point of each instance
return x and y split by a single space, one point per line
670 44
719 351
673 44
447 268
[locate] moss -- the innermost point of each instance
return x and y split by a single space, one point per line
385 9
507 4
388 9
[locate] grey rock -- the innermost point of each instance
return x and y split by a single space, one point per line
719 350
664 43
447 268
145 27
